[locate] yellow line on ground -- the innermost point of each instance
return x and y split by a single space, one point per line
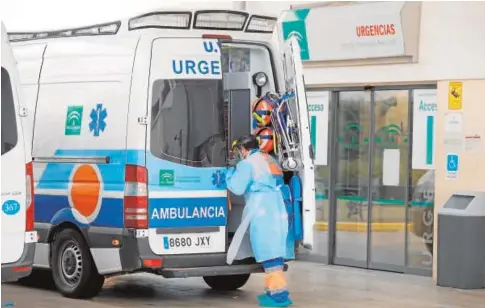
362 226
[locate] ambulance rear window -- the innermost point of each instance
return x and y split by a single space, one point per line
9 124
187 125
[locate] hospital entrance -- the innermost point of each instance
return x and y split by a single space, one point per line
374 193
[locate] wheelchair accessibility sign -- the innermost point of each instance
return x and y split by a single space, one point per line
452 164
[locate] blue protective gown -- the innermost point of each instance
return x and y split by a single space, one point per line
259 178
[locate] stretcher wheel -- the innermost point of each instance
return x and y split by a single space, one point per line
227 283
292 163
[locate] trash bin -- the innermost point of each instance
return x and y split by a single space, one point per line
461 241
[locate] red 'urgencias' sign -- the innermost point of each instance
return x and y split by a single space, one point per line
376 30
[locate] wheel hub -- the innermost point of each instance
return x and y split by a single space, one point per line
71 263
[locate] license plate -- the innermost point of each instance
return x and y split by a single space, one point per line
187 241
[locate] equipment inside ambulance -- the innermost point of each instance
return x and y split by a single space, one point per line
132 125
18 235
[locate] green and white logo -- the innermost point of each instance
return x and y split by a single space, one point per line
167 177
74 119
295 26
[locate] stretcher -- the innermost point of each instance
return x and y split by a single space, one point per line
285 126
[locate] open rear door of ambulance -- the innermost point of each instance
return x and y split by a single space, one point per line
186 149
294 80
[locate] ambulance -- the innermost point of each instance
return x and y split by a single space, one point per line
132 126
18 235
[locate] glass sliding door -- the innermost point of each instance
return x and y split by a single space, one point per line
420 237
390 151
381 179
352 157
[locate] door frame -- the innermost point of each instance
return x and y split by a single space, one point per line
332 156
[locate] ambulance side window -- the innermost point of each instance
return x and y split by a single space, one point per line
9 124
187 125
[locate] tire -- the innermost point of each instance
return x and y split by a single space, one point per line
73 269
226 283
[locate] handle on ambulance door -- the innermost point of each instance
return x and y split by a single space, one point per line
72 159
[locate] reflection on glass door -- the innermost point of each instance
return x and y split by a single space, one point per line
390 153
352 174
421 218
321 234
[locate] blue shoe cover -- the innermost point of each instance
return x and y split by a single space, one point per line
266 301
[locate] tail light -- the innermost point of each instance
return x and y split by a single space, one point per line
135 205
22 269
152 263
29 179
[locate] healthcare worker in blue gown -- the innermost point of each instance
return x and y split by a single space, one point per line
264 226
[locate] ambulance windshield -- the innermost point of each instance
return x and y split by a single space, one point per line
187 125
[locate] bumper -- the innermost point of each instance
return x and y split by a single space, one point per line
135 251
22 268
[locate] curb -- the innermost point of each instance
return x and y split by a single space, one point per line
362 226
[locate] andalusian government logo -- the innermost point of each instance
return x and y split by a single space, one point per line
74 119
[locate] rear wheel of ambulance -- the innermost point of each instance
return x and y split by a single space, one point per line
227 283
73 268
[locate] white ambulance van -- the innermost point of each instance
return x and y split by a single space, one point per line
132 121
18 235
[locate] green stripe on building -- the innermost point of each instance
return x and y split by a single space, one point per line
378 201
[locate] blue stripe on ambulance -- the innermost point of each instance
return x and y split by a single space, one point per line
55 208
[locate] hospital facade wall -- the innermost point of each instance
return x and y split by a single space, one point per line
445 44
471 172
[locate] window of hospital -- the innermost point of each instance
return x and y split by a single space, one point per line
9 125
187 122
